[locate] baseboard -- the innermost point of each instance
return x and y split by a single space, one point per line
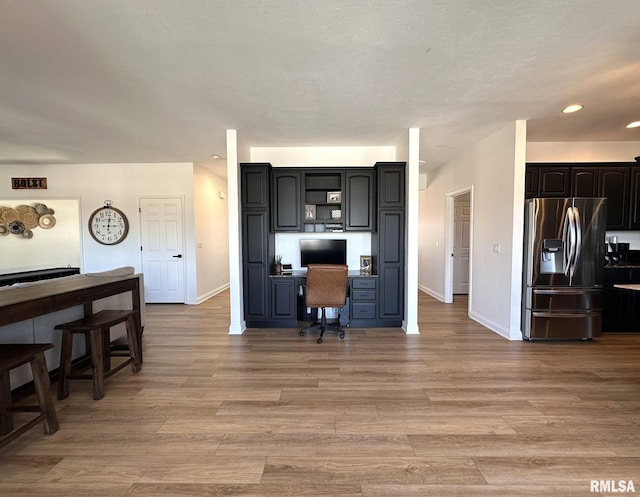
431 292
495 327
212 293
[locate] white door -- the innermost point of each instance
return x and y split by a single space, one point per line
162 255
461 243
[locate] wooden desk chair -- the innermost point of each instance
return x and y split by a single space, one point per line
11 357
326 287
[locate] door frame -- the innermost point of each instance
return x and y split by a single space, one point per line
449 235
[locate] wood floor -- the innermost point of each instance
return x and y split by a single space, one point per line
454 411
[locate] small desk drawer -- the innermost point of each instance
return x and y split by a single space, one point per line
363 310
363 295
363 283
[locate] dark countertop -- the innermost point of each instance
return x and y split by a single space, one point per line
302 274
623 266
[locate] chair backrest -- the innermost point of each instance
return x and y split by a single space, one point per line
326 285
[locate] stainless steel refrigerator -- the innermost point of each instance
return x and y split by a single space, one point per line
563 268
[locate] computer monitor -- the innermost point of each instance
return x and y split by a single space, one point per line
323 251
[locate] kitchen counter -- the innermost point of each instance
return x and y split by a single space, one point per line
630 286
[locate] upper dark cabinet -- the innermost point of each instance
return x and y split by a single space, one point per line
254 192
554 181
359 200
614 185
618 182
584 182
391 186
286 208
634 201
531 182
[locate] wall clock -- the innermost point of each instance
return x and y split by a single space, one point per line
108 225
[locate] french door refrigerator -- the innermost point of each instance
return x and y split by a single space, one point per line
563 268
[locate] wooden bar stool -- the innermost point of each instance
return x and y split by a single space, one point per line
97 326
11 357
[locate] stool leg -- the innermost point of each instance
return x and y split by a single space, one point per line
134 343
42 385
6 420
106 345
97 363
66 349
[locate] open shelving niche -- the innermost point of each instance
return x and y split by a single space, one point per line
323 202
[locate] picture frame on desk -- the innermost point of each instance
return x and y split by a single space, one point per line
365 264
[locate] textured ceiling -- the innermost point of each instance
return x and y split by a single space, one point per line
85 81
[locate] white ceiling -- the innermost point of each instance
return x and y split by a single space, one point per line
86 81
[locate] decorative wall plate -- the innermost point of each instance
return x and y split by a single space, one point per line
47 221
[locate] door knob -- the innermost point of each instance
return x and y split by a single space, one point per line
179 256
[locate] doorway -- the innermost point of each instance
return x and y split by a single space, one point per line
459 245
162 235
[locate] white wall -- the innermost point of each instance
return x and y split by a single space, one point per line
211 232
495 169
323 156
124 185
582 151
58 246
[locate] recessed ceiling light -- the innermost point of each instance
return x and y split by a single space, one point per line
572 108
216 157
634 124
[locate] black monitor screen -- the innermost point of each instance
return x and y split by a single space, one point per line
323 252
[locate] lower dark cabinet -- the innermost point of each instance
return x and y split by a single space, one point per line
283 300
620 308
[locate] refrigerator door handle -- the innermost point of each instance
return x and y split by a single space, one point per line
578 230
569 239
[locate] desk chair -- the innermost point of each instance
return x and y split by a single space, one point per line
326 287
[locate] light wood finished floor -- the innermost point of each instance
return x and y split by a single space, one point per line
454 411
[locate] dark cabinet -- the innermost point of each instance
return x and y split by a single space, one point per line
531 182
359 201
257 242
284 300
286 209
614 185
388 242
390 185
618 182
554 181
584 182
254 191
620 308
363 293
634 200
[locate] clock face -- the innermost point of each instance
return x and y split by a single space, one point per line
108 225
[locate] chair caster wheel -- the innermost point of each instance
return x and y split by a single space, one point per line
319 340
302 333
341 335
